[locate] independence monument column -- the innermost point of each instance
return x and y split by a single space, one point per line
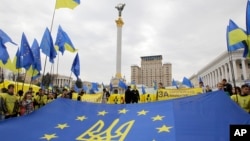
119 24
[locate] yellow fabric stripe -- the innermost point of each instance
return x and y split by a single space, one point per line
236 36
10 65
66 4
69 48
32 72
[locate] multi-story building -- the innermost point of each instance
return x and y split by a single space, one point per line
231 66
152 70
62 80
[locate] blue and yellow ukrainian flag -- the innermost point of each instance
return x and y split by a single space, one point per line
67 4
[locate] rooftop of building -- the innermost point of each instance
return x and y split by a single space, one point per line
154 57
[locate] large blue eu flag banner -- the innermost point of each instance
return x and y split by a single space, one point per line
205 117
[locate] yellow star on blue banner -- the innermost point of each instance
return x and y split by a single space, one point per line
102 113
81 118
164 128
142 112
123 111
158 117
62 126
48 137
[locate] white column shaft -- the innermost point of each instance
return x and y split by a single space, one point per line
119 50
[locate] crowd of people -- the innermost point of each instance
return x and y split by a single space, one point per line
12 105
240 95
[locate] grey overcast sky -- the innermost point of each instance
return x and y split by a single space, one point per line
187 33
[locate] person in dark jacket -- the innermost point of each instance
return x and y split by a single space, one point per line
136 95
227 87
128 95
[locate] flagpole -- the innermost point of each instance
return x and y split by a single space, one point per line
70 77
24 79
31 76
50 74
2 74
44 70
18 59
2 77
17 78
57 66
232 71
51 27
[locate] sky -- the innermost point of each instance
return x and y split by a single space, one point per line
188 34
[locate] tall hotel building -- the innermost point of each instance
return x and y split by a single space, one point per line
152 70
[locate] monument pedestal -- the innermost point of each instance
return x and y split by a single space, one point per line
115 83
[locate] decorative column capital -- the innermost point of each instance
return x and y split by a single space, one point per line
119 22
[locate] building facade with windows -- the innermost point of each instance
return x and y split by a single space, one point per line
231 66
152 70
62 81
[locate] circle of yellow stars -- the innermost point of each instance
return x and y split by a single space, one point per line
163 128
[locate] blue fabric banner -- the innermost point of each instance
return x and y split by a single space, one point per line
205 117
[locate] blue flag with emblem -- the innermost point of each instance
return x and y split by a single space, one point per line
75 68
5 38
204 117
174 83
27 58
94 86
37 57
63 41
122 84
36 67
4 55
187 82
47 46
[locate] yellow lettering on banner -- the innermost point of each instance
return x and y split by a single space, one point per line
96 98
97 133
166 94
163 94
